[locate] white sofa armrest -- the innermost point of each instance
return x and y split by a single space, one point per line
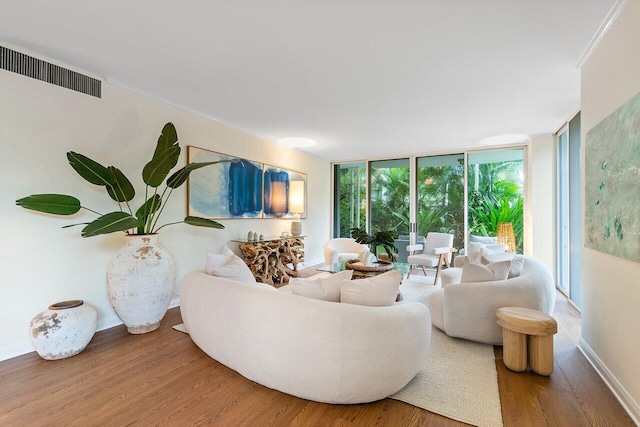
469 308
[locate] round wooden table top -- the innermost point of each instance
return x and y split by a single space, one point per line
526 321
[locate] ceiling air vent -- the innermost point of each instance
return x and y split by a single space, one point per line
29 66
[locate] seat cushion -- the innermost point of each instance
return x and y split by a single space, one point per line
426 260
346 256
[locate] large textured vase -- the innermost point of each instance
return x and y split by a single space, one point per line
63 330
141 279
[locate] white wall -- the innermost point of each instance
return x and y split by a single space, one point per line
610 286
40 263
541 216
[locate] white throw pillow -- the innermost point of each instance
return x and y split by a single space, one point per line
475 272
228 265
215 261
325 288
517 261
490 257
476 251
377 291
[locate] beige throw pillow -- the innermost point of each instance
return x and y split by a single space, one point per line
517 262
228 265
377 291
325 288
475 272
490 257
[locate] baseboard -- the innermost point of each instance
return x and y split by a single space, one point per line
10 351
630 406
312 263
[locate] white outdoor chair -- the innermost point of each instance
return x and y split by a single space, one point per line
436 251
342 249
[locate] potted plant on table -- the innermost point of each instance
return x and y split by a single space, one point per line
141 275
384 238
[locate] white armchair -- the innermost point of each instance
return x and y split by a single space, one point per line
436 251
342 249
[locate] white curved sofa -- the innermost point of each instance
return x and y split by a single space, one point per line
317 350
467 310
342 249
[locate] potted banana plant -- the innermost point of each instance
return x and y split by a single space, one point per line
141 276
384 238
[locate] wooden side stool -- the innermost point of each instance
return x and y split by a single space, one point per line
527 332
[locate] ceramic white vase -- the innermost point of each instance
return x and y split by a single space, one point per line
141 278
63 330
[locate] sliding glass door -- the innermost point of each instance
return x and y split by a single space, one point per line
496 195
569 208
440 196
417 195
350 198
389 197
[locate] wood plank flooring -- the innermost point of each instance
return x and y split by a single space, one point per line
163 379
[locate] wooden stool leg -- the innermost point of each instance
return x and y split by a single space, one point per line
541 354
514 350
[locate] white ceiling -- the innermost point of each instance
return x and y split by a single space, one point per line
365 78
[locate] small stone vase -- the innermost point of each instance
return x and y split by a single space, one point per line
63 330
141 278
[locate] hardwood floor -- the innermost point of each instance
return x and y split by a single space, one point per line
162 378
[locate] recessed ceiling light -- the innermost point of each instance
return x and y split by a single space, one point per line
510 138
297 142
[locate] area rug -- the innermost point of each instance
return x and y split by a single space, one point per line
180 327
459 381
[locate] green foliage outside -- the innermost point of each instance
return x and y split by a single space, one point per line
352 192
496 197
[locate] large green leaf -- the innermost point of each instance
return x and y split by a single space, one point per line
121 190
179 177
202 222
148 208
90 170
110 223
58 204
157 169
168 138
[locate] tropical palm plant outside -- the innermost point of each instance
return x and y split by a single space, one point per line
495 195
352 192
120 189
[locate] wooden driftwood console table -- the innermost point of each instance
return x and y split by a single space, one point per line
274 259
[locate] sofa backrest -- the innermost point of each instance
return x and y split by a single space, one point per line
318 350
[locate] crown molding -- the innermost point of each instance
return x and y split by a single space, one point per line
604 27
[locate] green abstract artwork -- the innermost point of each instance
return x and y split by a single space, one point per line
612 183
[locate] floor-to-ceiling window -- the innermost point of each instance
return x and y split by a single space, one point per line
440 196
569 210
496 195
416 195
389 197
350 195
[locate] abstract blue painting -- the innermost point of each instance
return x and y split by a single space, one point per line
225 190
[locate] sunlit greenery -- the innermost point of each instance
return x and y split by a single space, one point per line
495 195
